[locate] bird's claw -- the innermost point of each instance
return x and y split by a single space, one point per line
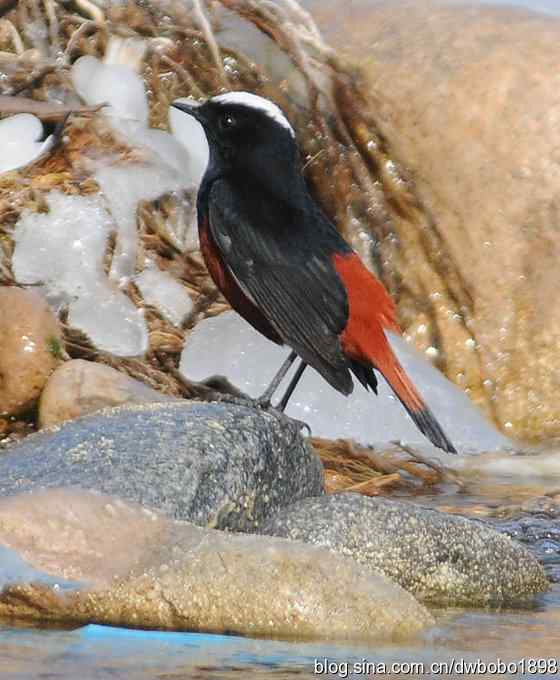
282 417
261 404
304 426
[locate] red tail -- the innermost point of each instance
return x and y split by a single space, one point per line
371 313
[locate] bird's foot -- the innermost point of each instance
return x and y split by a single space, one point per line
266 405
261 403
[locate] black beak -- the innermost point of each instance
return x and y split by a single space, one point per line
190 109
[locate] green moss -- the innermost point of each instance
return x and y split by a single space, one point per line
54 346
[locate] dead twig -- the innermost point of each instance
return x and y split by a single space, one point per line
47 111
204 25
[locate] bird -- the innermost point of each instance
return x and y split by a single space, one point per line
281 263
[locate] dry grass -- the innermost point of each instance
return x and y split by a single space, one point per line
351 467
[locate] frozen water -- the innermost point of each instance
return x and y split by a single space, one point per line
171 164
118 85
162 291
64 250
124 187
229 346
20 141
110 319
168 168
164 148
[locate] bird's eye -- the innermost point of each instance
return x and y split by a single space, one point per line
228 122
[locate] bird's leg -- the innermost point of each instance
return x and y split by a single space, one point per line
291 387
264 400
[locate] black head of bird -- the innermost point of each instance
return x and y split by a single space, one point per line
250 139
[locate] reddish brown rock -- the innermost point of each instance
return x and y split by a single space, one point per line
30 347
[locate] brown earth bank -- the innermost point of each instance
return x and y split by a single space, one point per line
468 98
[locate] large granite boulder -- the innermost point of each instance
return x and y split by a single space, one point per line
119 564
219 465
439 558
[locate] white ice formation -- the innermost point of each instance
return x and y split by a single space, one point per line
162 291
20 137
63 250
170 164
229 346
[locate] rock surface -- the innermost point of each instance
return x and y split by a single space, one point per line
214 464
439 558
468 97
140 569
29 342
80 387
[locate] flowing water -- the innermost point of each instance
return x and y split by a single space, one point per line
476 637
526 641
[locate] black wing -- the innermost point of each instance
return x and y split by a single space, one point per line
282 267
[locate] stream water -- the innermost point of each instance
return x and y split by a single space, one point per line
525 640
477 637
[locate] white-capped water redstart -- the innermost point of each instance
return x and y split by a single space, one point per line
282 265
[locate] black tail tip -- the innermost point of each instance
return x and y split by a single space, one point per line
429 426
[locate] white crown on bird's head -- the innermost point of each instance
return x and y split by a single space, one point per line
254 101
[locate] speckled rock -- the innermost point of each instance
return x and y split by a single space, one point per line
439 558
30 341
219 465
134 568
80 387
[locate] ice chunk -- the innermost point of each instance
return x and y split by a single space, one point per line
20 137
162 291
164 148
171 164
183 228
64 250
229 346
190 134
110 319
118 85
124 187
